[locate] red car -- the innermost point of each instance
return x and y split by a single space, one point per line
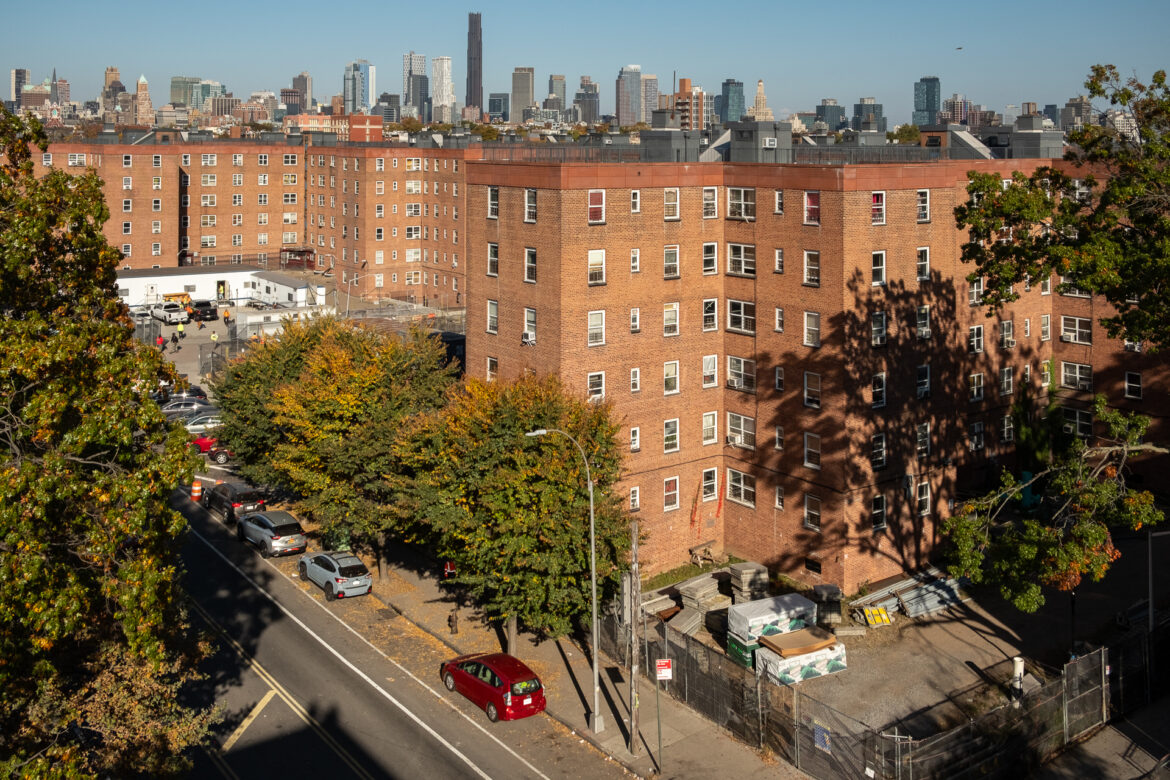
501 685
202 443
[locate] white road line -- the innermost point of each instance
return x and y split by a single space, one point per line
386 694
255 713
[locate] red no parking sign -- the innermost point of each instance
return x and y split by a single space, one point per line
663 669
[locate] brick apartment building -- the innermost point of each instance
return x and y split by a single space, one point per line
803 374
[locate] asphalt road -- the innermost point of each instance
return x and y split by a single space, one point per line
305 694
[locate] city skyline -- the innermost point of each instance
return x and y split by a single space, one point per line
971 54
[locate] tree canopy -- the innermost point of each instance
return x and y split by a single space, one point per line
94 641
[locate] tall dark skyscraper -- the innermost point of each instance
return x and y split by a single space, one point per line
731 107
474 95
927 100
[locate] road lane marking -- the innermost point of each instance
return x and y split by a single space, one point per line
255 713
385 694
218 762
276 688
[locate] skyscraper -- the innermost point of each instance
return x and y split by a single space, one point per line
304 82
867 115
649 96
412 65
474 94
831 114
143 110
523 83
498 107
442 90
628 109
588 100
357 86
760 111
20 77
731 108
182 88
112 75
927 101
556 86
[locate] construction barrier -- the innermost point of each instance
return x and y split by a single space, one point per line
196 491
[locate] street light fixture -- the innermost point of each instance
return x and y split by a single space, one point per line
598 724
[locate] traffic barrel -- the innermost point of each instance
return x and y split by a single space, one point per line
196 490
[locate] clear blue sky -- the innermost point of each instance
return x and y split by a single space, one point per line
1011 51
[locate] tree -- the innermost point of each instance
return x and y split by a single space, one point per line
1104 231
95 646
512 511
486 132
905 134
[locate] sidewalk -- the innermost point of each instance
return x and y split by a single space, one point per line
692 747
1128 749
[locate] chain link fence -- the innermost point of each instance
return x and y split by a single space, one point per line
1139 668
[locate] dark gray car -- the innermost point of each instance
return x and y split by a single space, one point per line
229 500
275 533
339 574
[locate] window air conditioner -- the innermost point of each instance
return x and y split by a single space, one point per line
1086 386
1067 338
1009 343
924 333
735 439
923 392
769 143
527 339
735 383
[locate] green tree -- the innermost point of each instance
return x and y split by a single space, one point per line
486 132
94 641
512 512
905 134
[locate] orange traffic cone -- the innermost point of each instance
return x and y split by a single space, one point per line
196 491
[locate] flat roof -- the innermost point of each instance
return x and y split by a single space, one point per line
188 270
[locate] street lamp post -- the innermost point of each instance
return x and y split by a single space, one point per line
598 724
352 281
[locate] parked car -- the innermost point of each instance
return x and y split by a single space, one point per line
204 310
220 455
256 303
503 686
201 423
339 574
139 314
192 391
231 499
202 443
182 406
275 533
170 313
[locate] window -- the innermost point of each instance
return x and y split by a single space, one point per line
878 391
1027 327
186 159
922 440
975 387
741 259
1046 373
1046 286
922 322
710 370
237 180
879 269
261 199
877 451
670 262
128 161
710 427
670 377
493 316
922 381
975 339
127 183
262 179
126 250
975 291
670 204
289 197
635 380
635 500
288 237
635 320
1078 422
1007 335
1045 327
670 319
530 264
290 159
812 451
156 250
493 259
596 328
778 378
877 513
379 234
379 163
1133 385
530 323
710 488
126 228
1006 381
812 329
778 262
670 493
741 203
710 258
778 206
288 217
670 436
156 226
156 183
635 439
877 329
741 488
635 201
812 208
711 314
923 502
779 324
1007 429
922 267
778 437
127 206
206 241
877 209
1078 376
741 431
741 373
812 512
414 163
741 316
812 268
290 180
924 206
812 390
238 199
1078 330
635 261
237 239
76 159
595 385
710 203
975 436
596 207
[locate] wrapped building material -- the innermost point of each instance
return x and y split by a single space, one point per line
788 671
778 615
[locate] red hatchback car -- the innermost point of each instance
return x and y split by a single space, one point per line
503 686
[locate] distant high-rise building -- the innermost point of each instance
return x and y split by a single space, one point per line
588 101
389 107
442 90
111 76
412 65
182 88
1052 111
1010 112
954 110
143 110
867 115
629 96
760 111
689 106
62 91
304 82
1028 108
649 96
474 93
420 92
358 86
19 77
498 107
1077 113
927 101
523 83
731 106
556 86
294 101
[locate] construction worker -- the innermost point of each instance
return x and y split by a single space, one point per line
174 342
227 315
161 343
182 331
214 339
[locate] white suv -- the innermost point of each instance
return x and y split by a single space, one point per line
170 313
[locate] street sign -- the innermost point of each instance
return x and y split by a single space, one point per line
663 669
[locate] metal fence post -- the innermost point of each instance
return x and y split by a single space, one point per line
760 711
1104 684
1064 699
796 726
